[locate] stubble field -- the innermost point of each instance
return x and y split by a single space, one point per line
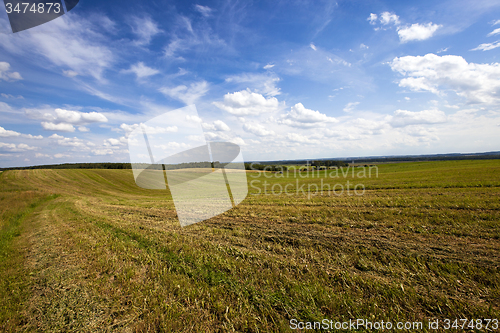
89 251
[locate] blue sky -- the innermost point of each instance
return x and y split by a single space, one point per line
283 79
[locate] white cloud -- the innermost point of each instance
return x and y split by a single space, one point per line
404 118
6 74
70 73
478 83
86 53
29 136
77 117
417 31
61 155
185 94
187 37
269 66
49 126
13 148
257 129
387 18
299 138
221 126
203 10
313 47
350 106
115 142
195 119
11 96
372 18
245 102
7 133
10 134
261 83
299 116
494 32
145 29
83 129
217 125
487 46
238 141
63 120
141 70
149 129
72 142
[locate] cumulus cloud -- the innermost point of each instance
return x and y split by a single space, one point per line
313 47
417 31
50 126
12 134
13 148
217 125
245 102
257 129
59 155
195 119
149 129
387 18
402 118
83 129
477 83
102 152
71 142
77 117
269 66
64 118
141 70
114 143
6 74
7 133
487 46
299 116
186 94
372 18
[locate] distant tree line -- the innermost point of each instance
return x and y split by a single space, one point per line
107 165
328 163
457 157
104 165
316 163
264 167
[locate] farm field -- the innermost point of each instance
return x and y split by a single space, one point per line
89 251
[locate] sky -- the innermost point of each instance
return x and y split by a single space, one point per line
282 79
